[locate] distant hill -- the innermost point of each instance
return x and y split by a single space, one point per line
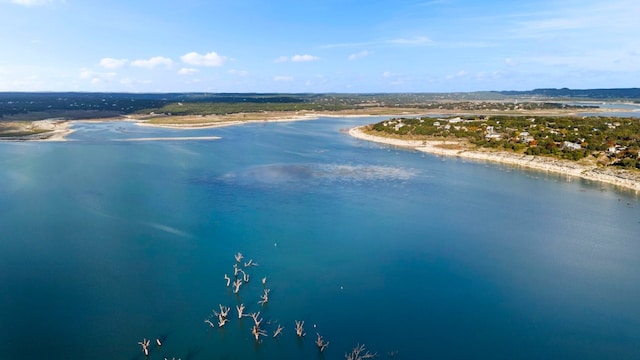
594 94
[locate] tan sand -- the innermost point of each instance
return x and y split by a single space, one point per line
54 130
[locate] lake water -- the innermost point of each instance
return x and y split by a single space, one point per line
106 242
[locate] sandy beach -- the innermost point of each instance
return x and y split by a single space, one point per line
617 177
43 130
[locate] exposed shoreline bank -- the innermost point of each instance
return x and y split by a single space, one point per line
617 177
43 130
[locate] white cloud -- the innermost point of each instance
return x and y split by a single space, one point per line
209 59
304 58
297 58
241 73
152 63
111 63
187 71
281 78
358 55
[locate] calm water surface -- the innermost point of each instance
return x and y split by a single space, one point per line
105 242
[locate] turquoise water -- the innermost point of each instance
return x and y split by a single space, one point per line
104 243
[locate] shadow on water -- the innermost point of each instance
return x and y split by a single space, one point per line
308 174
192 353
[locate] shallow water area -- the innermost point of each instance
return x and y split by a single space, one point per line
106 242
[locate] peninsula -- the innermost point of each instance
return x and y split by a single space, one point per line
566 145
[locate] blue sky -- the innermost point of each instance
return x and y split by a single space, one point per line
317 45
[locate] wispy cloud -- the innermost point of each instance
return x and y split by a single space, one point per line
414 41
434 2
389 74
304 58
592 60
419 40
282 78
358 55
395 78
96 77
590 18
458 75
31 3
188 71
111 63
241 73
297 58
152 63
133 82
281 59
211 59
547 27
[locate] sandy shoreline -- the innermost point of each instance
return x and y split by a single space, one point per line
44 130
618 177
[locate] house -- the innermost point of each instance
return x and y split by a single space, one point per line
525 137
490 133
571 146
616 149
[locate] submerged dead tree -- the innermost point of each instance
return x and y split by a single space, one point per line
240 310
359 353
300 328
278 331
321 343
264 297
236 285
145 346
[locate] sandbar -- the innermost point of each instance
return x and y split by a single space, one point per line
174 138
